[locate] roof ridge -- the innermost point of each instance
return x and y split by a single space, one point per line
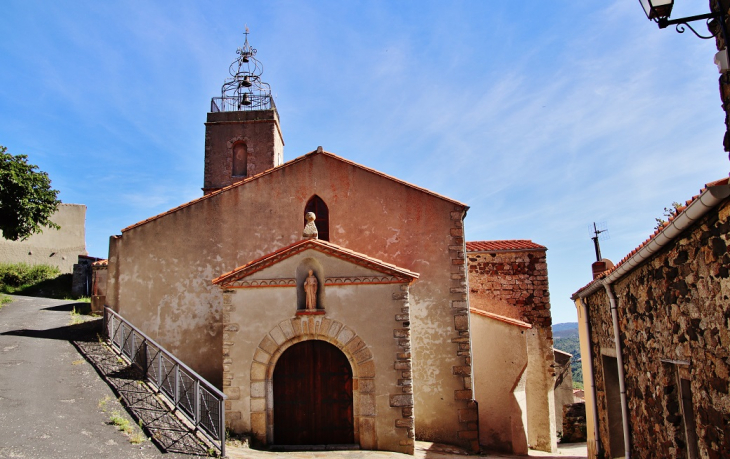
281 166
503 245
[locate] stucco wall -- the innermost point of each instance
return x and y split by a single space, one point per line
673 308
370 338
59 248
500 364
563 388
166 265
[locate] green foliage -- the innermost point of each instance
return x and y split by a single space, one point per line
19 274
571 345
122 423
4 299
27 200
668 213
35 280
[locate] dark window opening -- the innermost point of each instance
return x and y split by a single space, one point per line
317 205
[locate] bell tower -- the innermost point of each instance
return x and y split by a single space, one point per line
242 133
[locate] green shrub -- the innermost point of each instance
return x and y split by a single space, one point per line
34 280
15 275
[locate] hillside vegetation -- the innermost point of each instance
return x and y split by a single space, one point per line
565 338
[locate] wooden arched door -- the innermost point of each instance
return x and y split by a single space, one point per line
313 396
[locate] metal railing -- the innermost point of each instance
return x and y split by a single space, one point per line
198 400
235 104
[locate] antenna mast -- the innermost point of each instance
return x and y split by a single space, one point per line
596 244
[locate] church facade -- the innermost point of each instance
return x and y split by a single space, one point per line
360 334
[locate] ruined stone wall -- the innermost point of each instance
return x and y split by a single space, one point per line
514 284
673 310
511 284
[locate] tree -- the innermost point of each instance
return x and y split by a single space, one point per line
27 200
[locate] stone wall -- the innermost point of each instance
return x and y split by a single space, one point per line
574 423
724 80
258 131
674 320
512 282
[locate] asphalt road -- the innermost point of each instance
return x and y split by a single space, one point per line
50 395
55 404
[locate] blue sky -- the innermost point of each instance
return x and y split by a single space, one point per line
542 116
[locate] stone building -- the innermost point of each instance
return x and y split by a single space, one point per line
655 339
55 247
381 351
512 335
563 394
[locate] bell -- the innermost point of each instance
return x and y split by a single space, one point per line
246 83
245 100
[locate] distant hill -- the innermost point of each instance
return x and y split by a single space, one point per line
565 329
565 338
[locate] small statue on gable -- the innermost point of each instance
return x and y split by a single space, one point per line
310 229
310 289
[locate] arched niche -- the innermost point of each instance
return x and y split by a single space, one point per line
318 206
240 159
301 275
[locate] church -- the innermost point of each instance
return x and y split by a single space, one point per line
331 302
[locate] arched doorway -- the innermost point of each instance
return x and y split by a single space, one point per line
313 396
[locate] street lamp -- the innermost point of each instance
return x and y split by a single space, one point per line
660 10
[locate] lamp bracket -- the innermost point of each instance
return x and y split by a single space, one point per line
681 23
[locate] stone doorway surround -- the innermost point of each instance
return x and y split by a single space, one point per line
297 330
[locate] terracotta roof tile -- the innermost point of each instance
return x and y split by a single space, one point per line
504 319
287 164
100 263
676 213
500 246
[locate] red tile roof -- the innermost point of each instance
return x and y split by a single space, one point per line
100 263
504 319
503 246
287 164
676 213
321 246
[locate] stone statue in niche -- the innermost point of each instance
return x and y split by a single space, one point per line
310 229
310 289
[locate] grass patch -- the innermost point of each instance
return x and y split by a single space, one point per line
123 424
76 317
137 438
104 402
4 299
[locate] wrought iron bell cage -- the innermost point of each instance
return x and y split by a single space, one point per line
244 90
